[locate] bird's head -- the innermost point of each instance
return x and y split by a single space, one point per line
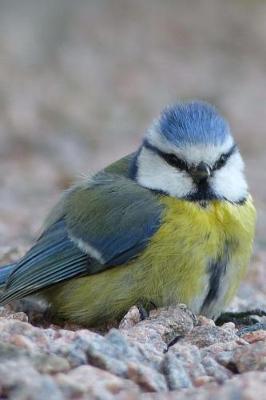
189 153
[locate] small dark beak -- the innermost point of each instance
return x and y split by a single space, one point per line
201 172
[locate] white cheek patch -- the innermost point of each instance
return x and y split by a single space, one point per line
155 173
229 181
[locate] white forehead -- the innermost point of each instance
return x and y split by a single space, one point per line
192 153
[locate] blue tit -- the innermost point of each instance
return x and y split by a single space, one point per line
171 223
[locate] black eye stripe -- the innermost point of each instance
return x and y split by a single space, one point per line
171 159
176 162
223 158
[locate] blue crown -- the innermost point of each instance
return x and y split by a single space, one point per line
196 122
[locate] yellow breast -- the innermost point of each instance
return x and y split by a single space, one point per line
197 257
192 243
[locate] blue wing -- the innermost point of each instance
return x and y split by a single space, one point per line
115 216
100 225
5 271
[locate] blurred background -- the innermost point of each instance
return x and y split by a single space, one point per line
80 81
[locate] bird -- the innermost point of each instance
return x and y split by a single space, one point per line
172 222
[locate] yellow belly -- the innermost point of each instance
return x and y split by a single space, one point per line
176 267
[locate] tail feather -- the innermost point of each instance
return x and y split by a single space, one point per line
5 271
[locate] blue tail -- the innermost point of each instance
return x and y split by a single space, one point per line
5 271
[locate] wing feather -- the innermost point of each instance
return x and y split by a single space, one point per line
112 215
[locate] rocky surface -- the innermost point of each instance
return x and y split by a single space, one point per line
137 359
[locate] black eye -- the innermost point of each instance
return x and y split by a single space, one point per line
171 159
176 162
221 162
224 157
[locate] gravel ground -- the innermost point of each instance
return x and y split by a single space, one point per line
79 83
125 363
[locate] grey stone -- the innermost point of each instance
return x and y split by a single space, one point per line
175 372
